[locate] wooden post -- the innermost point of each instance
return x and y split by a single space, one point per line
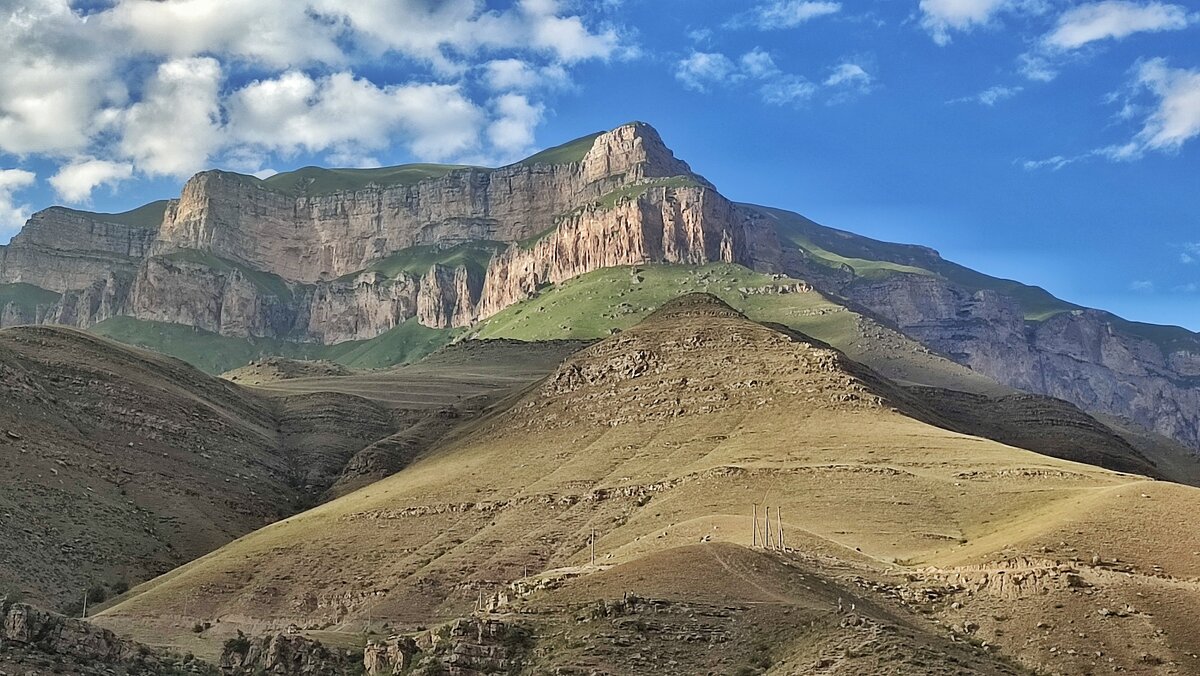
754 535
85 595
593 546
767 528
779 518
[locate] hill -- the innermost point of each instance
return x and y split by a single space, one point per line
664 436
120 464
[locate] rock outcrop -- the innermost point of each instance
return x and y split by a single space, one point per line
286 655
69 641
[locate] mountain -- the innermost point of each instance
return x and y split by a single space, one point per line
909 548
395 262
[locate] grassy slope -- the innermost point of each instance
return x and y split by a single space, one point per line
592 305
26 296
417 260
567 153
148 216
905 495
272 284
216 354
310 181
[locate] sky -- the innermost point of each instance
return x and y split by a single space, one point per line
1056 142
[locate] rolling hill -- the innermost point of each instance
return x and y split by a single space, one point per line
901 537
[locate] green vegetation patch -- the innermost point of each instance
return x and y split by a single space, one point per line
310 181
567 153
265 281
215 354
593 305
148 216
417 260
26 296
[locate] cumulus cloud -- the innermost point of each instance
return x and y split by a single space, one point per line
504 75
512 130
941 17
75 182
352 116
144 84
177 125
785 14
701 70
1114 19
1174 112
1190 253
990 96
12 215
1141 286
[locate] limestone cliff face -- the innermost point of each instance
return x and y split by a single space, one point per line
663 225
61 249
308 238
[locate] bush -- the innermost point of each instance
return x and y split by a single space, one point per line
120 587
96 594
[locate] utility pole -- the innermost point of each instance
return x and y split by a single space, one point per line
754 534
779 518
85 595
593 546
767 528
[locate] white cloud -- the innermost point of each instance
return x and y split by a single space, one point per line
1174 116
13 216
990 96
503 75
940 17
75 182
848 74
279 33
701 70
512 131
1190 254
943 17
1114 19
176 126
144 82
787 13
353 116
1052 163
1141 286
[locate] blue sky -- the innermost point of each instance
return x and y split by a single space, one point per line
1052 141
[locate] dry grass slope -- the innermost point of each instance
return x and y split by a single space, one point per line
662 437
